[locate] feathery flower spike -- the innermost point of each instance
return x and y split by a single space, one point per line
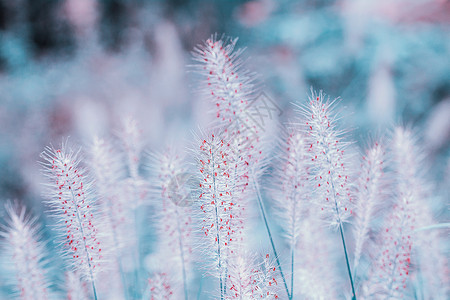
22 243
70 198
108 171
175 220
76 289
248 279
315 269
231 88
328 166
291 188
160 287
228 85
399 256
135 187
328 162
216 201
369 194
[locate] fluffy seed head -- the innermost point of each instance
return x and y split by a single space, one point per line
216 199
227 84
391 272
108 172
70 198
25 250
105 163
249 279
327 158
76 289
291 186
230 88
131 137
370 194
160 287
174 213
316 272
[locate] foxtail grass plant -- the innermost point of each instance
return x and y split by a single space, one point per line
70 198
189 225
26 254
329 170
231 88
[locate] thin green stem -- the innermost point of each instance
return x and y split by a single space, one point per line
343 242
137 256
180 244
225 281
336 207
88 257
199 293
293 242
146 294
263 214
292 270
117 254
93 288
346 260
122 275
435 226
217 225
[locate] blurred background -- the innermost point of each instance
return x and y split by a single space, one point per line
75 67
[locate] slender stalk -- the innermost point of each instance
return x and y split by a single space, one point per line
146 294
333 190
292 270
263 214
435 226
346 260
293 242
88 258
93 288
217 227
225 280
119 261
200 288
220 259
220 272
137 256
343 241
182 255
122 275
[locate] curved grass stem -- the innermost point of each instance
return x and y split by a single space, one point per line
180 245
347 261
263 214
292 271
94 290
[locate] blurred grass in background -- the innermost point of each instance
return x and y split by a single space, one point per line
76 67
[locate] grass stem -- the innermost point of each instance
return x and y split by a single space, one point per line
263 214
180 244
346 260
292 270
94 290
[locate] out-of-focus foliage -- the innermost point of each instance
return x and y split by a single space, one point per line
75 66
